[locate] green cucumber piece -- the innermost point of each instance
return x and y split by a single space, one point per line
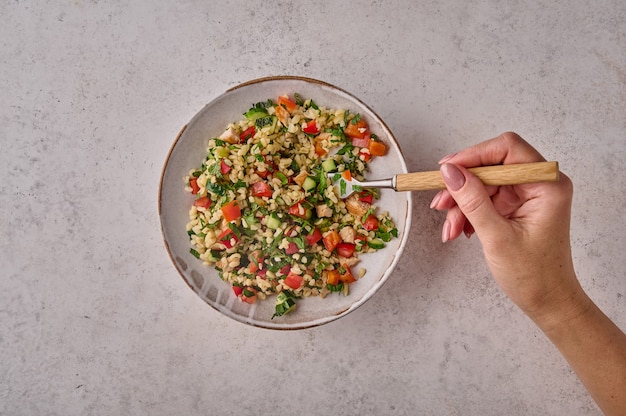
376 243
273 222
255 113
329 165
309 184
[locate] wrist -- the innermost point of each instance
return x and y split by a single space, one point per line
562 310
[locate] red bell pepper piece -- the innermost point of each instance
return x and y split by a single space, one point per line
262 189
311 127
203 202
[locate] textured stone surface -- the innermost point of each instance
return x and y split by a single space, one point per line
95 320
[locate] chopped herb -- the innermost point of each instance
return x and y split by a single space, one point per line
337 132
367 214
263 104
335 288
215 170
347 149
216 189
283 179
299 241
195 253
356 118
284 304
263 121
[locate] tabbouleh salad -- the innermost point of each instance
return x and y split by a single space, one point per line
265 213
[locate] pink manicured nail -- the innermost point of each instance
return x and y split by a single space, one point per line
445 232
452 176
436 199
446 158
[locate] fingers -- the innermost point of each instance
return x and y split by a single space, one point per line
471 206
443 200
472 203
454 225
504 149
506 201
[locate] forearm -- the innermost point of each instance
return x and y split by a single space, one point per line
595 348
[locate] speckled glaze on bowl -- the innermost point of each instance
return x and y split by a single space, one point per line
189 150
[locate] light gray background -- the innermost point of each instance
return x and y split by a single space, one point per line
95 320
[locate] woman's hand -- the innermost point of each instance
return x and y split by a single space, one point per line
524 231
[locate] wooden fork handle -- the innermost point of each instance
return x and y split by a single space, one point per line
514 174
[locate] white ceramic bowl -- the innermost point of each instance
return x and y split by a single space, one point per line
189 150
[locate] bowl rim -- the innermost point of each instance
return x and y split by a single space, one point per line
354 305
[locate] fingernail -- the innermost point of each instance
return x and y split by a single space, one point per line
446 158
445 232
452 176
436 199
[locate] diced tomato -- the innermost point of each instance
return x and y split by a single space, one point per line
286 102
285 269
193 183
347 276
228 238
361 141
292 248
331 239
238 290
204 202
256 261
371 223
367 197
319 150
365 156
332 277
271 167
313 237
225 167
360 239
231 211
356 130
262 273
249 295
249 299
263 173
298 210
346 249
377 148
247 134
311 127
262 189
293 280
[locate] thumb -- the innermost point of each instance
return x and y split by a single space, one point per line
472 198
